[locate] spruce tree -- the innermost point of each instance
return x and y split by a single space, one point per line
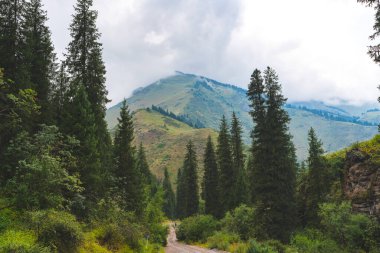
85 66
211 181
181 195
12 43
143 166
238 160
274 163
317 178
190 179
59 95
225 164
129 179
39 55
169 197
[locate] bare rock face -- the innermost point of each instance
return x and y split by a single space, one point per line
362 183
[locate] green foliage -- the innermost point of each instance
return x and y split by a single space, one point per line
197 228
21 242
352 231
169 197
240 221
57 230
42 179
255 247
313 241
222 240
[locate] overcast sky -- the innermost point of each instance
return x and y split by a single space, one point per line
318 47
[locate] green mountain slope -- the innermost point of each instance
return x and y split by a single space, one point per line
205 100
165 140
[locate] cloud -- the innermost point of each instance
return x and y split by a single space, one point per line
317 47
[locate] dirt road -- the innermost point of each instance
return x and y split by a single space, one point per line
175 247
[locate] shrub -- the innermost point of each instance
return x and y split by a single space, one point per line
240 221
255 247
221 240
313 241
59 230
197 228
21 242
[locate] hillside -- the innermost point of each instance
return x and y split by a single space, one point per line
205 100
165 140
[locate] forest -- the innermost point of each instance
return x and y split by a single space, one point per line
69 184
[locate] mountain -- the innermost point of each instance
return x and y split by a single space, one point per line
204 100
165 139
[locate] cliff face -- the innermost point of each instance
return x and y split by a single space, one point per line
362 183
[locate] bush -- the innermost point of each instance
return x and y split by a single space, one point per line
313 241
197 228
222 240
255 247
21 242
240 221
59 230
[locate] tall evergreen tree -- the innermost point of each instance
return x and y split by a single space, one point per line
85 66
39 55
274 163
190 177
211 181
238 161
225 164
59 96
143 166
12 43
317 178
181 195
129 179
169 197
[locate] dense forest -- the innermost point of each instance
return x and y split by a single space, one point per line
68 185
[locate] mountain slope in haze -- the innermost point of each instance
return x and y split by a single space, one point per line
165 139
205 100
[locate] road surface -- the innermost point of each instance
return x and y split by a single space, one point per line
176 247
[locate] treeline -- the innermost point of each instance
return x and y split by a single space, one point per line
183 118
265 201
332 116
65 185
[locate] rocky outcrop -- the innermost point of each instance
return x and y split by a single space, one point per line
362 183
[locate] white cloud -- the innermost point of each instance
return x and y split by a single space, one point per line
317 47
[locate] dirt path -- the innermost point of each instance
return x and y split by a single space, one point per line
175 247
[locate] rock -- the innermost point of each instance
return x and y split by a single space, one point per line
362 183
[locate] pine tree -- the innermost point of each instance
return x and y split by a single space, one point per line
129 179
274 163
85 66
238 160
225 164
169 197
59 96
12 43
181 195
190 179
211 181
317 178
39 55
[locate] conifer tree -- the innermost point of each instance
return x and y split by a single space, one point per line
129 178
169 197
211 181
12 43
225 164
85 66
190 179
80 123
39 55
238 162
274 164
143 166
59 96
181 195
317 178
